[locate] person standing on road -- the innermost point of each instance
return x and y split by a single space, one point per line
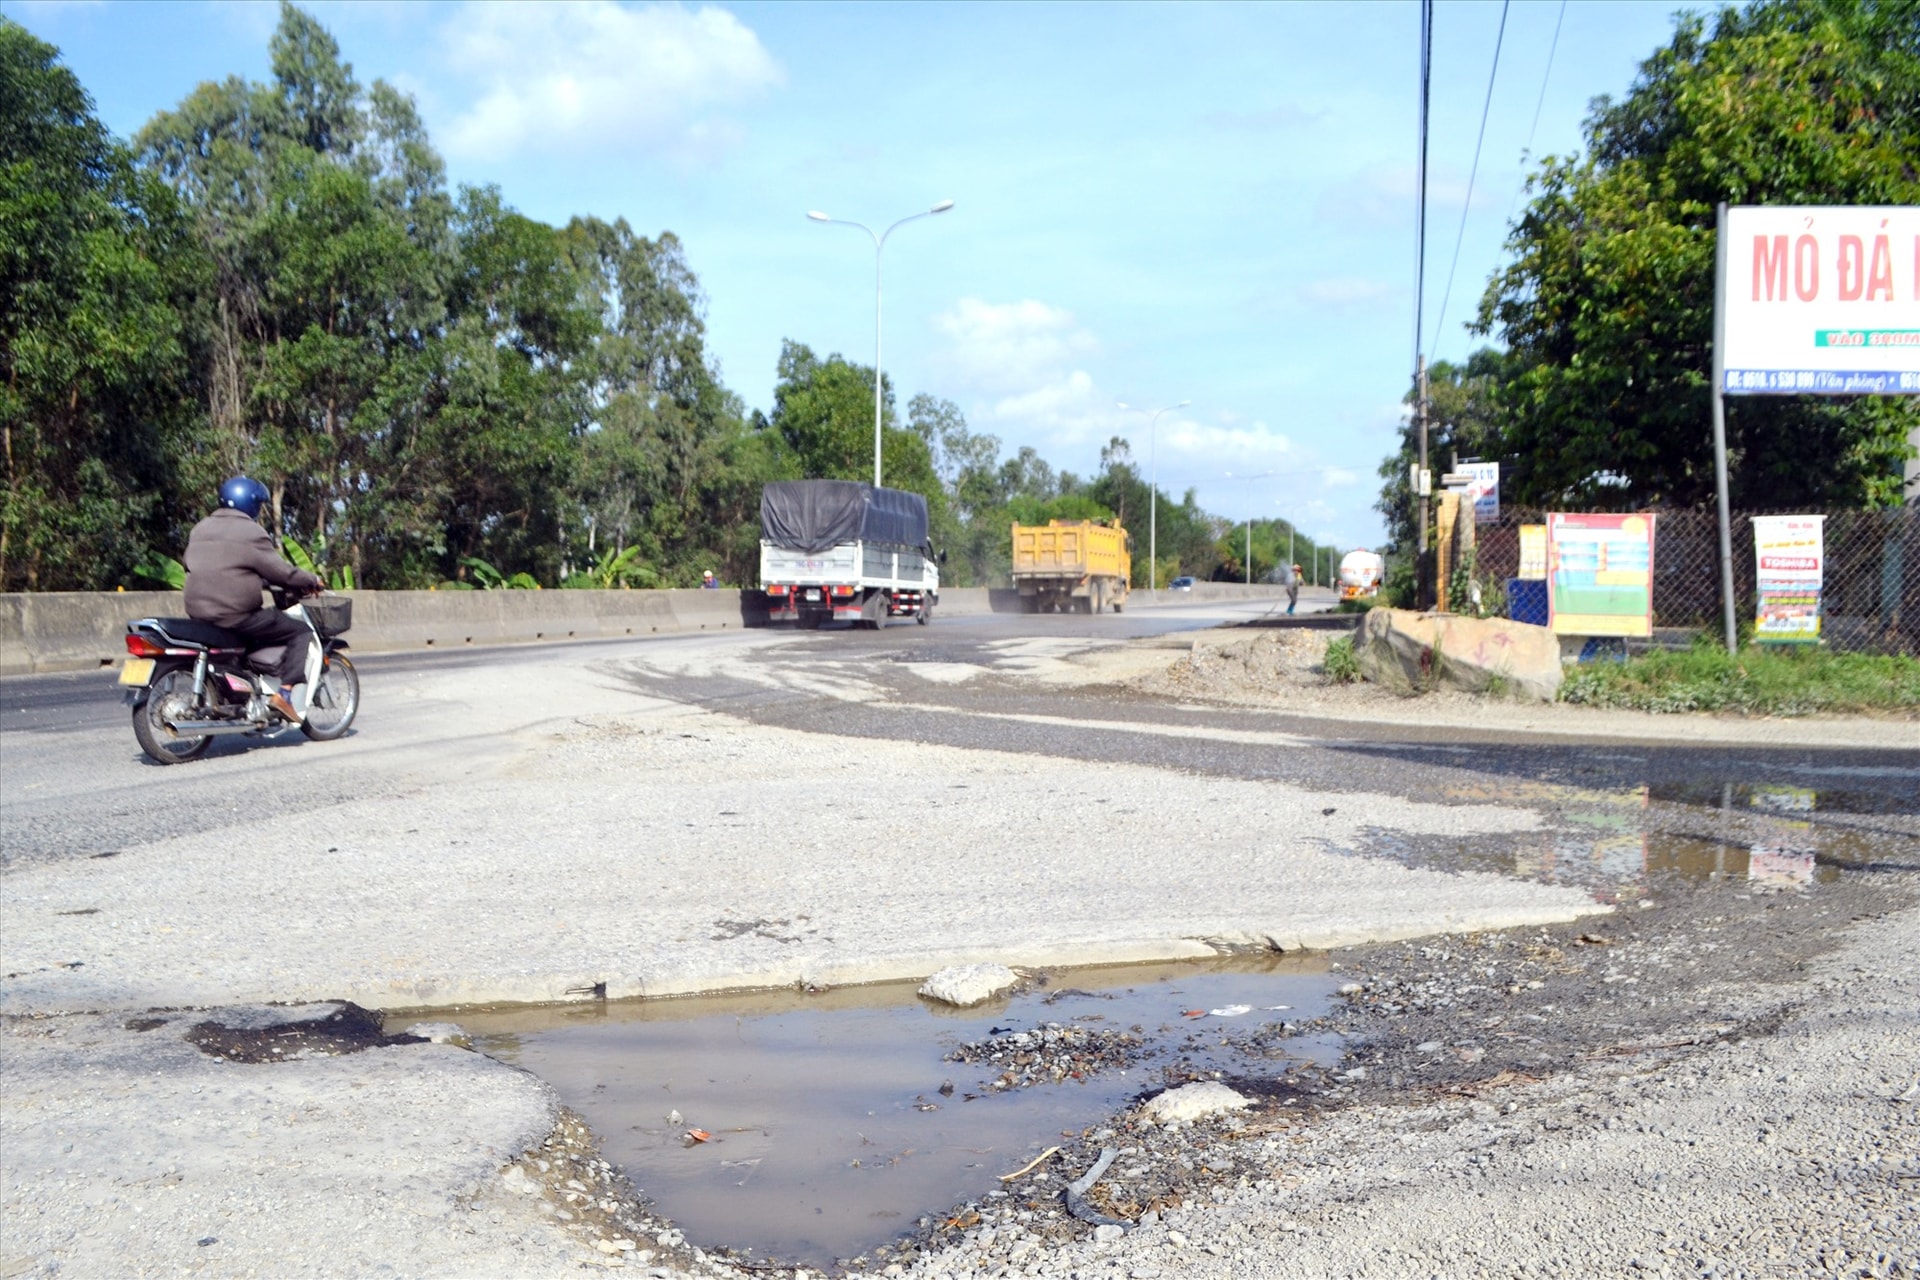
230 559
1293 587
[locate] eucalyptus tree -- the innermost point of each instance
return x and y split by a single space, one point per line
322 209
98 423
662 424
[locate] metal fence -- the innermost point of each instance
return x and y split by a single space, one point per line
1870 599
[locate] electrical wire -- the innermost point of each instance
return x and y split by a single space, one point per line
1545 76
1486 109
1420 205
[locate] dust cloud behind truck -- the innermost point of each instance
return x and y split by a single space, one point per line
842 550
1081 566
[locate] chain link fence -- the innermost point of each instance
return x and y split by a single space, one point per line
1870 598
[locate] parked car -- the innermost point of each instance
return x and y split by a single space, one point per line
1181 583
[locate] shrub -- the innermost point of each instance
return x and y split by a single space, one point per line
1340 664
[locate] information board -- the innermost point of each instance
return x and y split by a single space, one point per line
1789 555
1483 490
1600 574
1821 300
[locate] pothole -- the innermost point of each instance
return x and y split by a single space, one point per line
815 1128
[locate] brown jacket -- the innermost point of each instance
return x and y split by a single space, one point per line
230 559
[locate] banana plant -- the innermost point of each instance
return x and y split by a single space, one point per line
340 579
622 569
491 579
163 569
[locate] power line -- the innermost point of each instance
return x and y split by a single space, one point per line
1486 109
1420 204
1545 76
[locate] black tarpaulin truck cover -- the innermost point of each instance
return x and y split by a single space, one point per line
812 515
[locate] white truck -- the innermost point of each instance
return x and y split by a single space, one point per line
840 550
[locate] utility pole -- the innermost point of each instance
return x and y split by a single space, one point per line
1720 425
1424 598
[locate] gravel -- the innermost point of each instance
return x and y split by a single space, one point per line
1715 1081
1758 1117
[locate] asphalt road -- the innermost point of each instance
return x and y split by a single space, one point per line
76 784
551 824
73 782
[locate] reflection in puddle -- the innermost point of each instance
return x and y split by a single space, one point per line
829 1130
1759 835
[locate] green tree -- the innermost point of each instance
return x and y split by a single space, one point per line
96 411
663 426
503 400
823 410
321 207
1463 421
1606 308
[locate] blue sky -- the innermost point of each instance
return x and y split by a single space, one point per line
1154 203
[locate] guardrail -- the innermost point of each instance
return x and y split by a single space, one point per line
82 630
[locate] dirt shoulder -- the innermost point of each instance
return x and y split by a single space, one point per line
1282 670
1719 1084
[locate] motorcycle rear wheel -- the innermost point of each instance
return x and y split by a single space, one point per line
169 698
335 700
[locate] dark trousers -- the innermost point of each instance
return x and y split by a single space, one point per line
265 628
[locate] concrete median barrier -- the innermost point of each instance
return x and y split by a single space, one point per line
76 631
82 630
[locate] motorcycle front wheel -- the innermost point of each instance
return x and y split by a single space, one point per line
169 698
335 701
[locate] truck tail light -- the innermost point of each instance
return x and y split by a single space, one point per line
778 590
842 591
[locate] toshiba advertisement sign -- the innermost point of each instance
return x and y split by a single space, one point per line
1822 301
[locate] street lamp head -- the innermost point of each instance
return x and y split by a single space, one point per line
1121 404
942 207
818 216
1183 404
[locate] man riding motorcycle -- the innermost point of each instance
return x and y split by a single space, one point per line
229 559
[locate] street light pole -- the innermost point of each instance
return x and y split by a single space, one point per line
879 243
1264 475
1153 487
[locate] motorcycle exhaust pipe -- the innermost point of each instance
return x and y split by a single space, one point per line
207 728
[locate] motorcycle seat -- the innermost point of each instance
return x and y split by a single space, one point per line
204 635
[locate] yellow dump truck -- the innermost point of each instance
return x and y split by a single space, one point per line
1080 566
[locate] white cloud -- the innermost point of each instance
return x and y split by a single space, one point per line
1023 371
657 77
1010 346
1021 367
1245 451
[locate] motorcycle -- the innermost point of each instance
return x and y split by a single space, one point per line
190 682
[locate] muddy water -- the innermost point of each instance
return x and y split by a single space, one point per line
1628 841
828 1128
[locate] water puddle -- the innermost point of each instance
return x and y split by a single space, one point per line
1616 842
836 1121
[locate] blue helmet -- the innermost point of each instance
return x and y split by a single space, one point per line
245 495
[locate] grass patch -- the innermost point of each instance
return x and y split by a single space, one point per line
1339 664
1762 680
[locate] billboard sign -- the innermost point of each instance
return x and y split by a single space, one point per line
1821 300
1789 554
1600 574
1483 490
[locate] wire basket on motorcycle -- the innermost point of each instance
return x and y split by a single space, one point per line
330 614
